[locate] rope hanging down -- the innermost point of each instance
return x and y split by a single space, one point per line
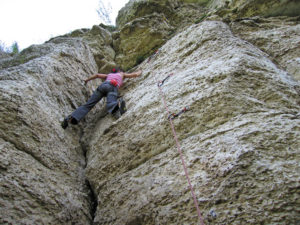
170 118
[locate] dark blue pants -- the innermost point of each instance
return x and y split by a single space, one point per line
104 90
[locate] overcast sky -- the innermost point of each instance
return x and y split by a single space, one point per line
36 21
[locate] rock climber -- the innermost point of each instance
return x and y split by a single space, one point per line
109 89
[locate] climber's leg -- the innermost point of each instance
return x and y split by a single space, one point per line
81 111
122 105
112 102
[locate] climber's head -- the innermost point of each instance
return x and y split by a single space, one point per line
116 70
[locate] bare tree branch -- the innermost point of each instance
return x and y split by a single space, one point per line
104 12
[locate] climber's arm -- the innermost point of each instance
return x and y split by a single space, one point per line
132 75
99 75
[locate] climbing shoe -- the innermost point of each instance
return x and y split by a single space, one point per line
116 114
65 122
122 106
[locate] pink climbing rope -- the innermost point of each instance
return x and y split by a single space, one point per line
181 156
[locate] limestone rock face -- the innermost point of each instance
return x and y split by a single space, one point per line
138 39
100 42
248 8
42 178
146 25
277 36
4 55
139 8
239 139
266 7
30 53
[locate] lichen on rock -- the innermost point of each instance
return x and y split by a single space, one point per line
99 39
248 8
42 168
144 26
243 114
277 36
236 70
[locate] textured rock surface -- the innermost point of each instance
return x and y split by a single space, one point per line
277 36
100 42
145 25
140 38
98 39
4 55
42 177
139 8
247 8
177 12
266 7
240 139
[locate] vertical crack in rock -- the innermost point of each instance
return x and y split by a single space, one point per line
93 200
240 138
92 196
237 138
42 166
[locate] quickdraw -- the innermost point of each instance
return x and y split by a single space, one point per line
152 56
172 116
160 83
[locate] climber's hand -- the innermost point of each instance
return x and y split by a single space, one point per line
138 73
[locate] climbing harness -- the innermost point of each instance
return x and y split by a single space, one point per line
114 83
160 83
172 116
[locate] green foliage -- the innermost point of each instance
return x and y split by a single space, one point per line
22 59
201 19
110 28
199 2
3 47
140 59
13 49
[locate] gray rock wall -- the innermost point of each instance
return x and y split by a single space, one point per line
279 37
239 140
144 26
42 167
250 8
99 39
